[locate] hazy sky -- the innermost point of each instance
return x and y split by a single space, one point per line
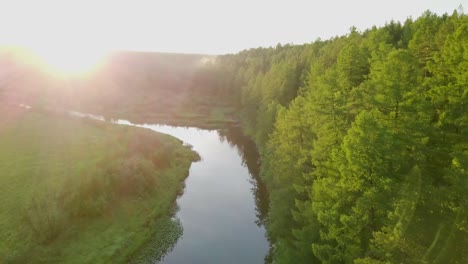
195 26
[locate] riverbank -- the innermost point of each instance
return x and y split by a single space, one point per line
208 118
203 121
81 191
223 190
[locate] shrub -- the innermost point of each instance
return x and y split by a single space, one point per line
135 176
45 217
90 193
86 195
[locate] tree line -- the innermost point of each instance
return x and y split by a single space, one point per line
363 138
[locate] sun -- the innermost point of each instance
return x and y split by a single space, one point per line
71 61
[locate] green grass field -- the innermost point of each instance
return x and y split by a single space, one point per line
80 191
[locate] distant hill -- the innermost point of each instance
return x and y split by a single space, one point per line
126 82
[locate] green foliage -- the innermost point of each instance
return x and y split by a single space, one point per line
363 140
45 217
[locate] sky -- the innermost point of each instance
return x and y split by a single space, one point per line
194 26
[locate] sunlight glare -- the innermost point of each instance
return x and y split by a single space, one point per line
71 61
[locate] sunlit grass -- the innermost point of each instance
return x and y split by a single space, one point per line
80 191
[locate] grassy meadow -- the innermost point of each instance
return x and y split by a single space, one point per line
80 191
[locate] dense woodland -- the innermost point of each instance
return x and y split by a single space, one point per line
364 140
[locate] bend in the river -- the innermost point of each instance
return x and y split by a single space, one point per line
224 207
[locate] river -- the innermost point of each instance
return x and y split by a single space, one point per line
224 205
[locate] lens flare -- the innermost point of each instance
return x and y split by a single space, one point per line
71 61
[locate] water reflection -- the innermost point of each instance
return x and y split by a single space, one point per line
224 206
251 159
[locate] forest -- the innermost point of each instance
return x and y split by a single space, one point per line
363 138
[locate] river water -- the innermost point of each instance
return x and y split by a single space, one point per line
224 205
